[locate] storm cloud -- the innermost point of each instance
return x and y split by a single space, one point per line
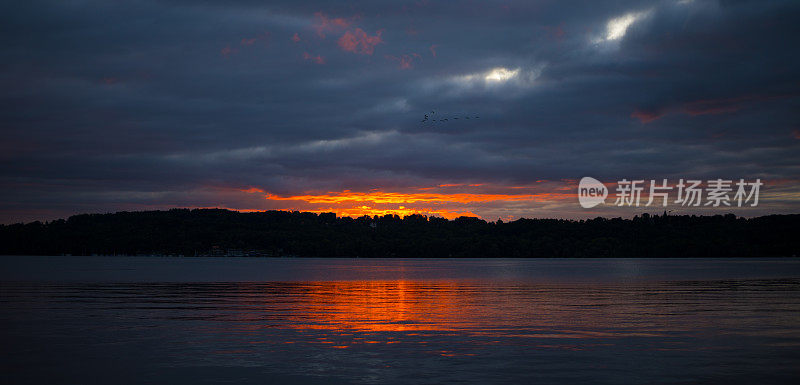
255 105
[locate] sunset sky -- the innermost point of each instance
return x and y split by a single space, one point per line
318 106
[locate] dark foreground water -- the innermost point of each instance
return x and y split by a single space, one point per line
112 320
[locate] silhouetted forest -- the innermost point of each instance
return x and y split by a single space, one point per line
280 233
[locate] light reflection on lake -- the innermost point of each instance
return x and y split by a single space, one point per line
549 321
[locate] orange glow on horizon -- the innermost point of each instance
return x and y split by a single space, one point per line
401 212
399 198
445 200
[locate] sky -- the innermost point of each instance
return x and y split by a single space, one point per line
321 106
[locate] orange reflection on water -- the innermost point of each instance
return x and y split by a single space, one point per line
463 318
383 306
358 309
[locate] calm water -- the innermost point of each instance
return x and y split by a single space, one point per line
78 320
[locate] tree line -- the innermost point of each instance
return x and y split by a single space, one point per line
196 232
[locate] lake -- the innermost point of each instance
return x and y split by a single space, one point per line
84 320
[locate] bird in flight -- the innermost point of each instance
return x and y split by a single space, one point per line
428 118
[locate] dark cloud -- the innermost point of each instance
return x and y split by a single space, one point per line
128 105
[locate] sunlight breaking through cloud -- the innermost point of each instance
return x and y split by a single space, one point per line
617 27
495 77
501 74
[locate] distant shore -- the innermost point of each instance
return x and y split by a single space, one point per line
224 233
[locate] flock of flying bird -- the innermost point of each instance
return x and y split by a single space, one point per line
427 118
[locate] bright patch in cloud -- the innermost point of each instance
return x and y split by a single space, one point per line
501 74
498 76
617 27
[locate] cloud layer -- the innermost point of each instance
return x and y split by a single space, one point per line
112 106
